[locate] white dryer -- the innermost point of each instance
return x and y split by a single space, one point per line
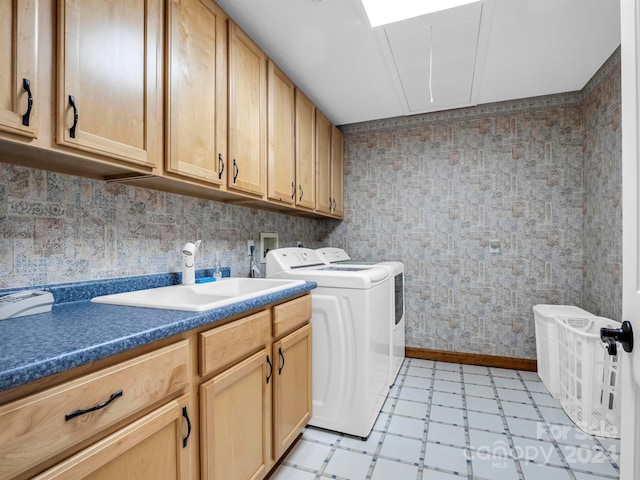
337 256
350 341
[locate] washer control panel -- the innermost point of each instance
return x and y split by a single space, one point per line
291 258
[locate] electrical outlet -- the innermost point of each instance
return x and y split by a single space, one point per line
298 243
249 245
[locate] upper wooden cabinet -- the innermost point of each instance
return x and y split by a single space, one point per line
329 167
337 172
110 73
305 151
323 163
247 114
82 91
197 90
281 174
19 100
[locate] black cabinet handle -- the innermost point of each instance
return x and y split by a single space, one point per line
282 359
186 417
270 369
220 166
72 103
77 413
301 193
26 85
293 191
236 170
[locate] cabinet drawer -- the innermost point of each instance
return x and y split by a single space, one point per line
223 345
290 315
38 427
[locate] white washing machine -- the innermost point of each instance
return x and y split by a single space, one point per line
337 256
350 341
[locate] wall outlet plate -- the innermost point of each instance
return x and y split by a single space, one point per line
268 241
494 246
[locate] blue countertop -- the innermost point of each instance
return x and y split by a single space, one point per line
77 331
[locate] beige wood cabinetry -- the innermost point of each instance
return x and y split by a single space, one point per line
152 447
247 114
37 430
329 167
305 151
281 173
19 100
235 411
337 173
292 387
292 377
253 408
97 73
323 163
110 73
197 90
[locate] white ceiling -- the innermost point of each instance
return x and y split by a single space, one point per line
486 52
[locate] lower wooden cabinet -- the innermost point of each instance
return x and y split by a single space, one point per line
235 415
251 412
292 388
154 446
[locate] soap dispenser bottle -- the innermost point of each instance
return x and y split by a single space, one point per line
217 267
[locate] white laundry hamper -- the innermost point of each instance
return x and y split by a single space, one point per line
589 376
547 347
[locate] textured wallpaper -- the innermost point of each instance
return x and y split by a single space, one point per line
602 183
433 190
60 228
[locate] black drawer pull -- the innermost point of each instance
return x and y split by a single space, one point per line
281 363
72 103
77 413
220 166
236 170
270 369
186 417
26 85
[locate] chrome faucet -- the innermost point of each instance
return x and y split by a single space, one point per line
189 262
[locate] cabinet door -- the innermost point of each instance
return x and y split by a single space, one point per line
110 78
197 86
235 421
18 67
281 172
247 114
337 167
323 163
152 447
292 398
305 151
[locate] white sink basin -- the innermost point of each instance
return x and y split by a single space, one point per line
201 296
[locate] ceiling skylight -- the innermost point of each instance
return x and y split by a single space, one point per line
381 12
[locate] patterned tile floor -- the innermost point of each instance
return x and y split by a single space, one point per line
451 421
